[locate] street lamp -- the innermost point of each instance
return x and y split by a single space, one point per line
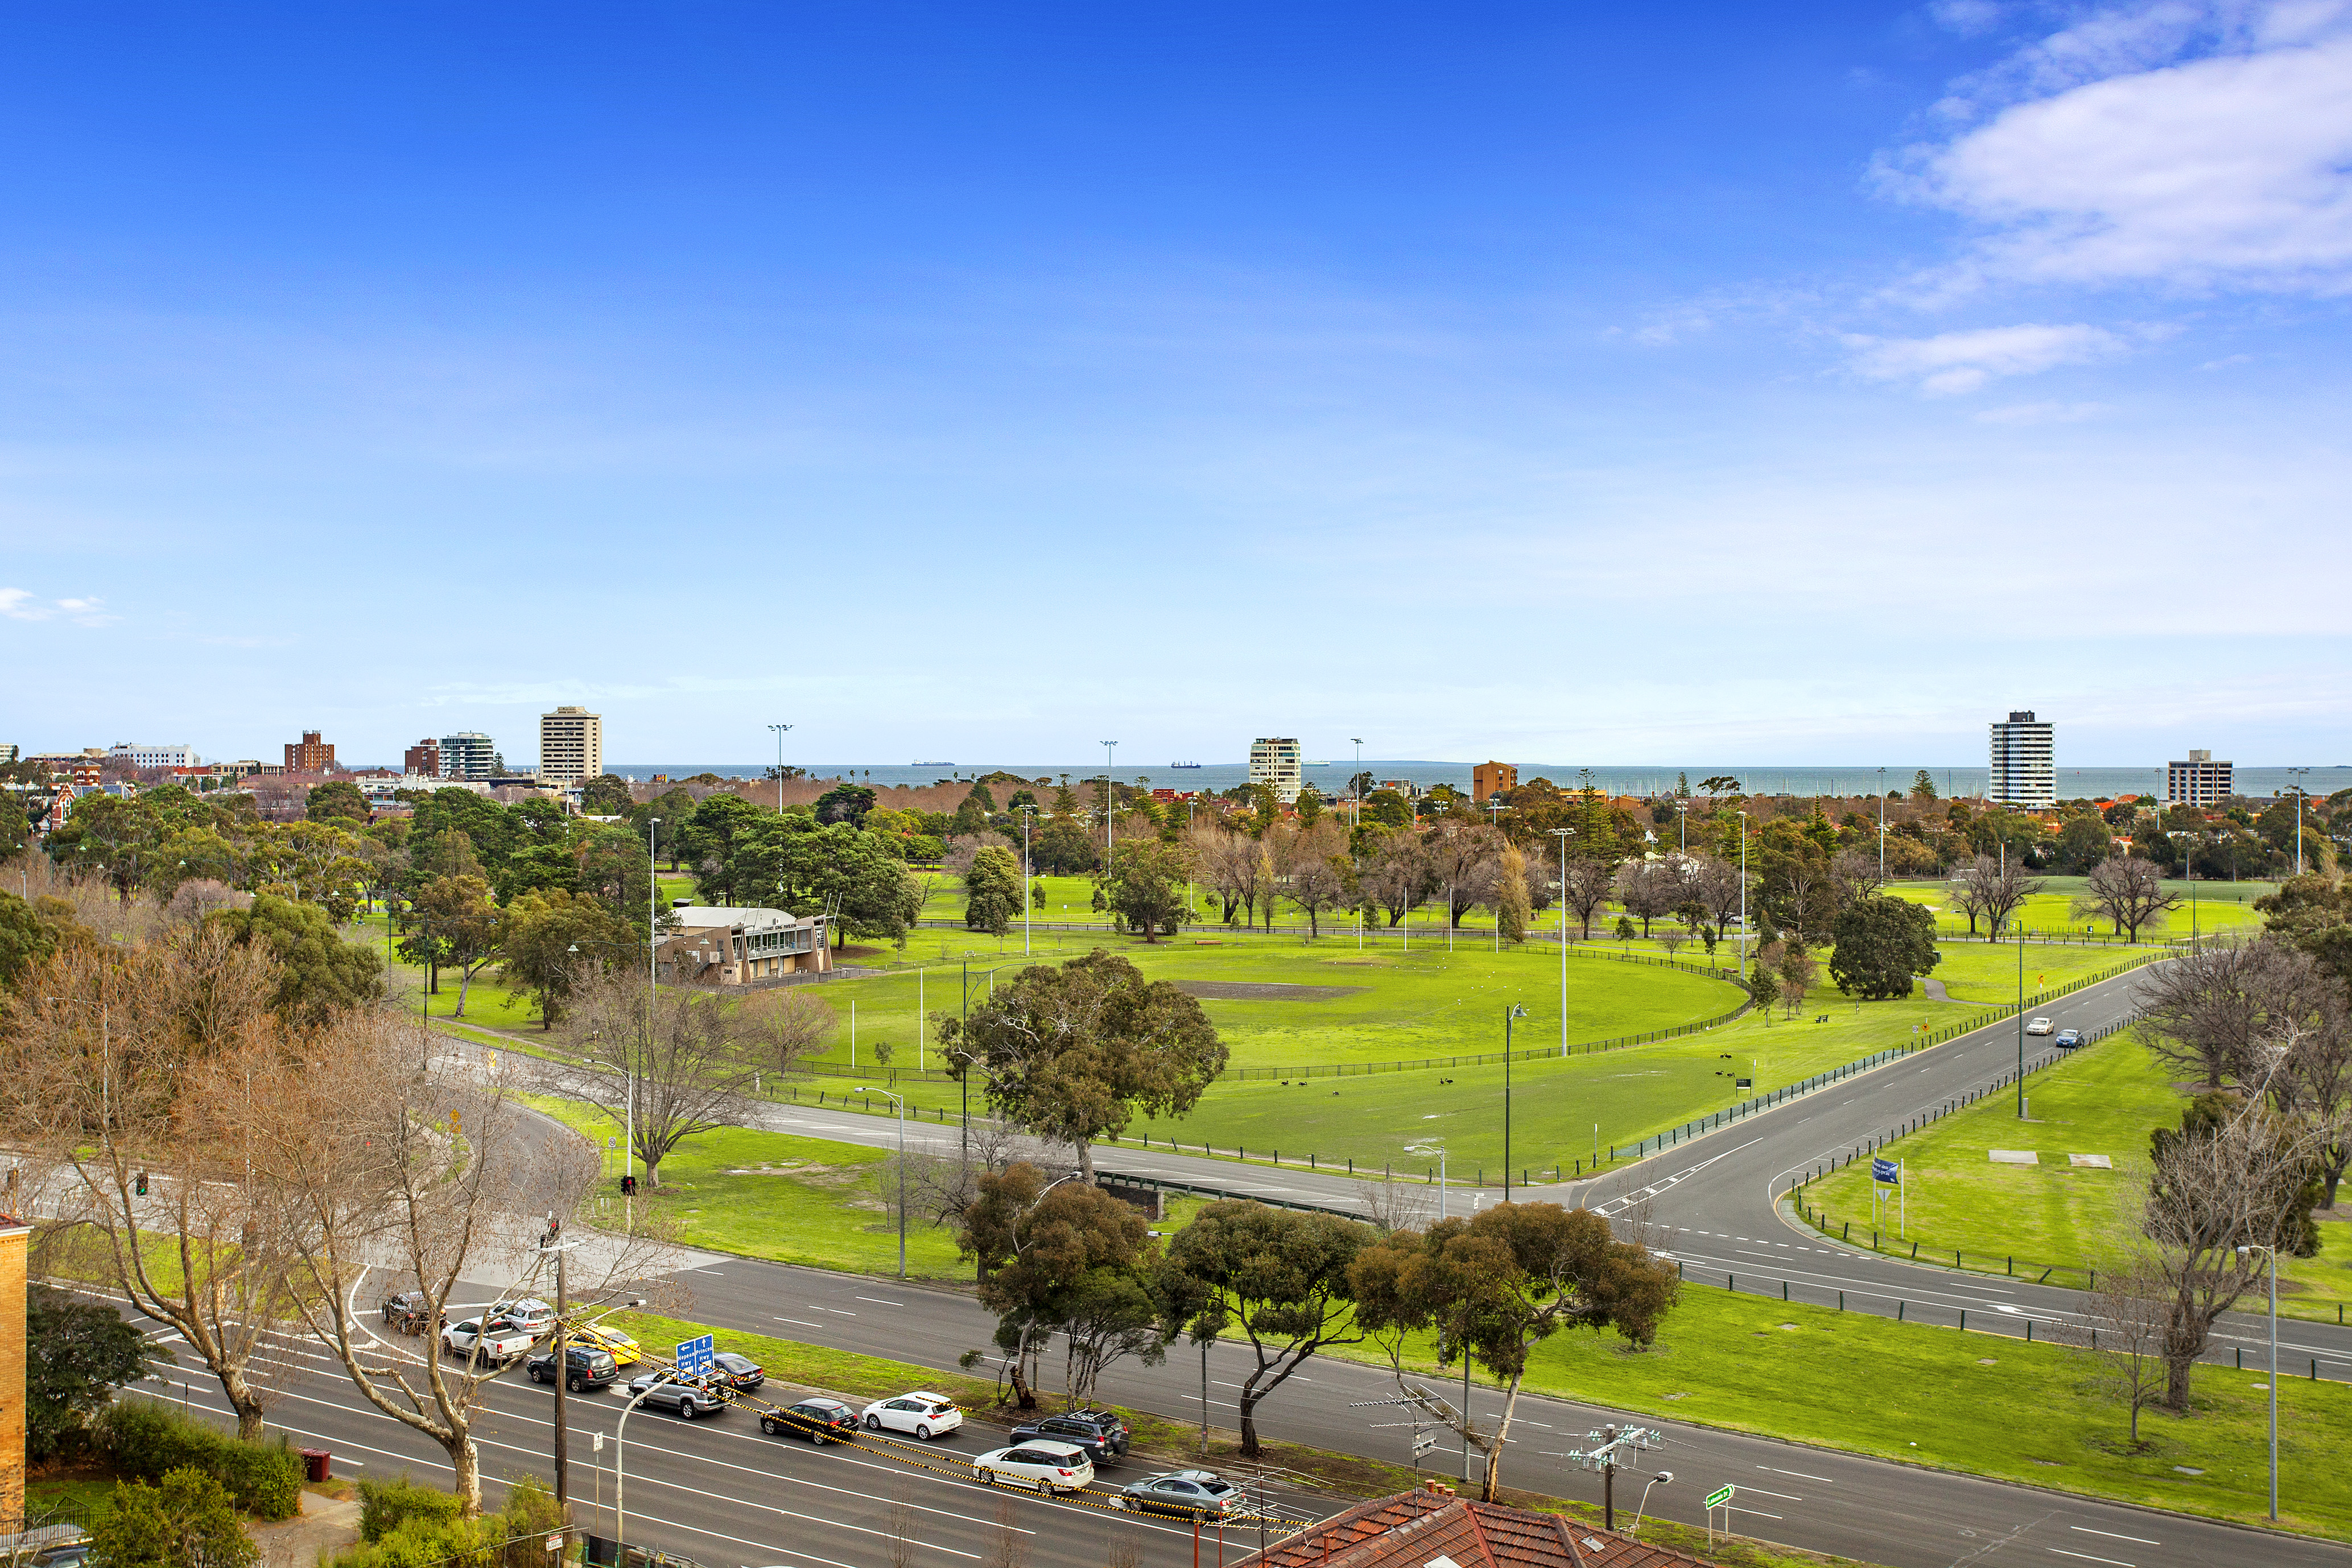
1514 1011
2269 1256
1563 834
1743 905
1106 747
1882 827
2300 774
780 729
2020 1020
901 1104
1028 819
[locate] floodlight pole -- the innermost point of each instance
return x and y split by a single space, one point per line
2299 774
1563 834
901 1103
1882 829
1743 905
1513 1011
2269 1256
1106 746
780 729
2020 1020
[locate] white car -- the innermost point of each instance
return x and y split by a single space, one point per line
923 1413
2041 1026
1047 1467
531 1315
498 1346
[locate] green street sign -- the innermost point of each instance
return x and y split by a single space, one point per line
1718 1498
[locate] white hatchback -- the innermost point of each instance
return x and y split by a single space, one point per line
923 1413
2041 1026
1048 1467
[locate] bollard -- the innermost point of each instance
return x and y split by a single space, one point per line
1840 1301
1784 1290
1898 1310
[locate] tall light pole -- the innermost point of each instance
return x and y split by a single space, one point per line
1563 834
1882 827
1743 902
1513 1011
628 1065
780 729
2020 1020
1359 820
2269 1256
901 1104
1028 817
2300 774
1106 746
1682 828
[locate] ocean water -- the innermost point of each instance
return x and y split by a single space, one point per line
1332 776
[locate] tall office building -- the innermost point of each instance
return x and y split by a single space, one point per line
2200 781
1275 762
571 746
423 758
2024 762
309 754
181 756
468 755
1490 779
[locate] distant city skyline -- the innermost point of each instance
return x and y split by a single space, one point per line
1816 383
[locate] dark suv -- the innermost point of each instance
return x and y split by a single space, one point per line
1100 1433
588 1367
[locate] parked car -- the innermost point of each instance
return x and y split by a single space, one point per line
1180 1494
2040 1026
624 1350
1100 1433
925 1414
821 1421
684 1400
531 1315
72 1555
405 1311
494 1345
739 1372
2068 1039
1049 1468
589 1367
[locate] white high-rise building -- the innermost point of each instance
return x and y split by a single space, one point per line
2200 781
571 746
2024 762
1275 762
468 755
182 756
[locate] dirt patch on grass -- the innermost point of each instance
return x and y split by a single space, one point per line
1255 991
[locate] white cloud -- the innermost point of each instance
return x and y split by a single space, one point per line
1966 16
2173 144
2041 413
1953 362
19 604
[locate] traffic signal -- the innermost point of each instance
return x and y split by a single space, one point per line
140 1185
628 1186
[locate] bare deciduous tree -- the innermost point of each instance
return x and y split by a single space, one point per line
2209 1012
2001 886
1396 876
1463 860
1306 866
2126 890
1858 873
1649 889
1715 885
2125 1320
1585 891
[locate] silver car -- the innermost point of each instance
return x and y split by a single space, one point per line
1045 1466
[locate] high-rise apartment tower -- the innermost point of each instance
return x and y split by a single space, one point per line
1275 762
2024 762
571 746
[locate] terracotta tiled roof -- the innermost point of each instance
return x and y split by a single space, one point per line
1430 1530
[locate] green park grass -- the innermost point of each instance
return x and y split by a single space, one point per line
2103 1099
2221 907
1973 1402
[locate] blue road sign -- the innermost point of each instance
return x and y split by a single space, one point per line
694 1355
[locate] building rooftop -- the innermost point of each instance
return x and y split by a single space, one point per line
1428 1530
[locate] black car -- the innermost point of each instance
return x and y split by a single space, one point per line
821 1421
739 1372
591 1367
1100 1433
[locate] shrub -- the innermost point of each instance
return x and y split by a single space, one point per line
187 1523
385 1506
148 1441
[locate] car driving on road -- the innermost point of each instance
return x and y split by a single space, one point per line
2068 1039
590 1367
2040 1026
923 1413
495 1346
821 1421
604 1336
1049 1468
1180 1494
1100 1433
684 1400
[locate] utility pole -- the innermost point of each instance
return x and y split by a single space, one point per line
1743 901
1513 1011
2020 1020
2300 774
1563 834
1106 746
1882 827
551 1241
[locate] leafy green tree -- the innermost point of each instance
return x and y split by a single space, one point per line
1075 1053
1066 1258
720 827
606 794
546 939
1511 910
1145 889
457 926
15 827
666 817
320 976
187 1521
1279 1276
490 831
1389 808
1499 1284
1065 848
538 868
338 799
26 939
1309 805
805 867
1881 943
993 891
846 803
2083 843
76 1353
615 871
1922 786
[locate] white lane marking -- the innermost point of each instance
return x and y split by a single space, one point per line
1761 1514
2110 1535
2087 1557
1798 1474
821 1307
799 1322
877 1300
1788 1496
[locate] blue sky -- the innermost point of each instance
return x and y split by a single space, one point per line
1772 384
